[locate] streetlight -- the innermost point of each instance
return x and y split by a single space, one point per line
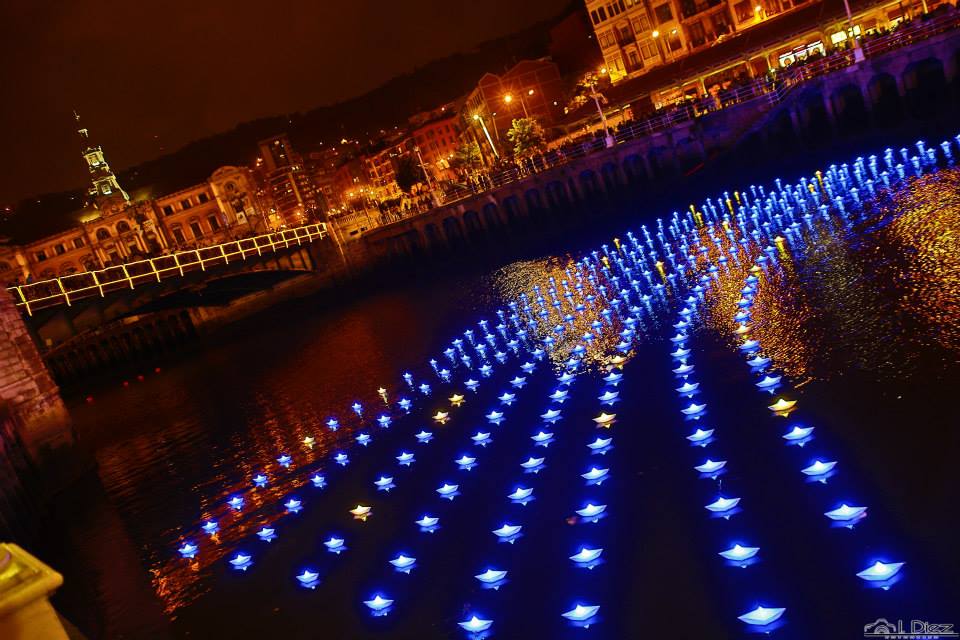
483 126
656 38
508 98
608 139
857 51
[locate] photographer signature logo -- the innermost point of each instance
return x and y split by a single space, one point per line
915 630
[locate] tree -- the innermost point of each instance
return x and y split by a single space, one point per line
408 173
527 137
467 157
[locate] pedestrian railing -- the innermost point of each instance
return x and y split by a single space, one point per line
69 288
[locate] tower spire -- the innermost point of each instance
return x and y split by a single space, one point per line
103 183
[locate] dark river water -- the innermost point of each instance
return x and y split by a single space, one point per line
861 317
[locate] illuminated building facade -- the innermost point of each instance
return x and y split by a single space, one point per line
287 182
437 139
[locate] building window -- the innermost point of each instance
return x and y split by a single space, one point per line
634 59
214 223
195 228
78 242
168 210
663 13
744 10
202 197
103 234
648 49
41 256
178 235
641 24
673 40
185 203
594 16
603 13
60 249
123 226
606 39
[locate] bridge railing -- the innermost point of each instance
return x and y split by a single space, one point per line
69 288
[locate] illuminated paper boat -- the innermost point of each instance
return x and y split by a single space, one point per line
749 345
236 503
566 377
686 312
260 480
384 483
189 550
742 329
518 382
819 468
532 463
700 435
456 399
471 384
591 510
682 324
781 405
551 416
609 397
694 409
679 337
491 576
582 613
210 527
475 624
758 362
384 421
405 404
711 466
542 438
378 604
309 441
586 556
605 419
357 408
742 316
496 417
846 513
332 424
798 434
241 561
361 512
342 459
428 523
762 616
683 369
880 571
508 532
335 545
267 534
284 460
613 378
617 360
528 367
521 494
466 462
405 458
293 505
736 553
424 389
680 352
441 416
687 388
599 443
769 381
448 490
481 438
722 505
485 370
744 302
403 563
595 475
559 395
424 436
363 438
309 579
507 398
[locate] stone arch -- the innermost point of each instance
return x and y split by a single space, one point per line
491 215
431 235
556 195
471 222
102 233
123 227
610 174
633 169
885 99
534 200
452 230
814 118
589 184
925 84
511 207
849 108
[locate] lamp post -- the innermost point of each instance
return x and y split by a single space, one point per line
656 38
857 51
508 98
608 139
483 126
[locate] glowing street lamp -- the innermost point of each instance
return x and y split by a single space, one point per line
608 139
483 126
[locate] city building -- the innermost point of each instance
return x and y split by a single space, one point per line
435 137
287 182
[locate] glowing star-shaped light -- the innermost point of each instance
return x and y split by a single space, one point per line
609 397
210 527
532 463
595 475
737 553
798 433
496 417
599 444
819 468
241 561
405 458
236 503
456 399
605 419
782 406
762 616
384 483
551 415
384 421
683 369
586 555
769 381
260 480
309 441
700 435
491 576
403 563
428 522
591 510
267 534
448 490
334 545
880 571
309 579
722 505
542 437
846 513
694 409
342 459
378 603
508 531
361 512
284 460
188 550
475 624
711 466
441 416
521 494
466 462
364 439
582 613
424 436
560 395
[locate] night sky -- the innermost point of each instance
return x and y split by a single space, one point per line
148 77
